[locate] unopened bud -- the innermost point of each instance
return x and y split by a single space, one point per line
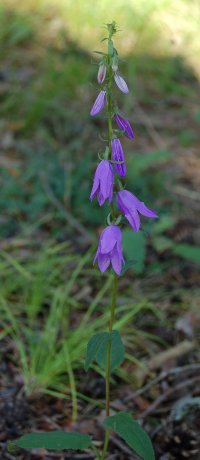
101 73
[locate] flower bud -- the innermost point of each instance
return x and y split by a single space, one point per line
120 82
115 64
101 73
99 103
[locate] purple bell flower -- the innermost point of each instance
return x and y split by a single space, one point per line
99 103
101 73
120 82
130 206
110 249
124 125
118 155
103 182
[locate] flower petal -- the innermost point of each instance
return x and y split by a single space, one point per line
147 212
103 262
134 219
120 82
99 103
116 261
124 125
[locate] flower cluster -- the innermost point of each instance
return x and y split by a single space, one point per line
110 243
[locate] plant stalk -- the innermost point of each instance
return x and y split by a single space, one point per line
107 377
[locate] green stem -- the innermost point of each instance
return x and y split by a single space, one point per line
114 288
107 378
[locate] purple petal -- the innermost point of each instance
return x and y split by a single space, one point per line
110 249
147 212
124 125
116 261
106 179
120 82
134 219
99 103
103 262
103 182
107 239
130 206
95 187
118 155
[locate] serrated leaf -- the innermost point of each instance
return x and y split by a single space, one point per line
132 433
116 353
54 440
188 252
93 346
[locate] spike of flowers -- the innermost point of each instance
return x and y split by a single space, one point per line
130 206
120 82
101 73
118 155
99 103
124 125
103 182
110 249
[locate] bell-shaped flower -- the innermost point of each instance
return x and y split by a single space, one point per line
120 82
101 73
99 103
103 182
118 155
130 206
124 125
110 249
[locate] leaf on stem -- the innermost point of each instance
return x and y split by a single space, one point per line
97 350
54 440
116 353
132 433
93 346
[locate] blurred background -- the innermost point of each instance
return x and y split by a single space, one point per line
51 298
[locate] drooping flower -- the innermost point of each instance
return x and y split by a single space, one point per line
101 73
120 82
110 249
118 155
99 103
130 206
103 182
124 125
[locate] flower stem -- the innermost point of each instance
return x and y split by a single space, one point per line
114 288
107 377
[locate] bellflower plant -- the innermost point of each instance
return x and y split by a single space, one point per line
106 348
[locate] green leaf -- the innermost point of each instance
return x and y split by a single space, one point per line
140 163
134 247
162 224
116 354
162 243
188 252
93 346
54 440
132 433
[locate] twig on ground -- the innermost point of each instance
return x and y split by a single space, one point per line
168 393
163 375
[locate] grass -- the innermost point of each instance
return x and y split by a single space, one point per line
49 326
